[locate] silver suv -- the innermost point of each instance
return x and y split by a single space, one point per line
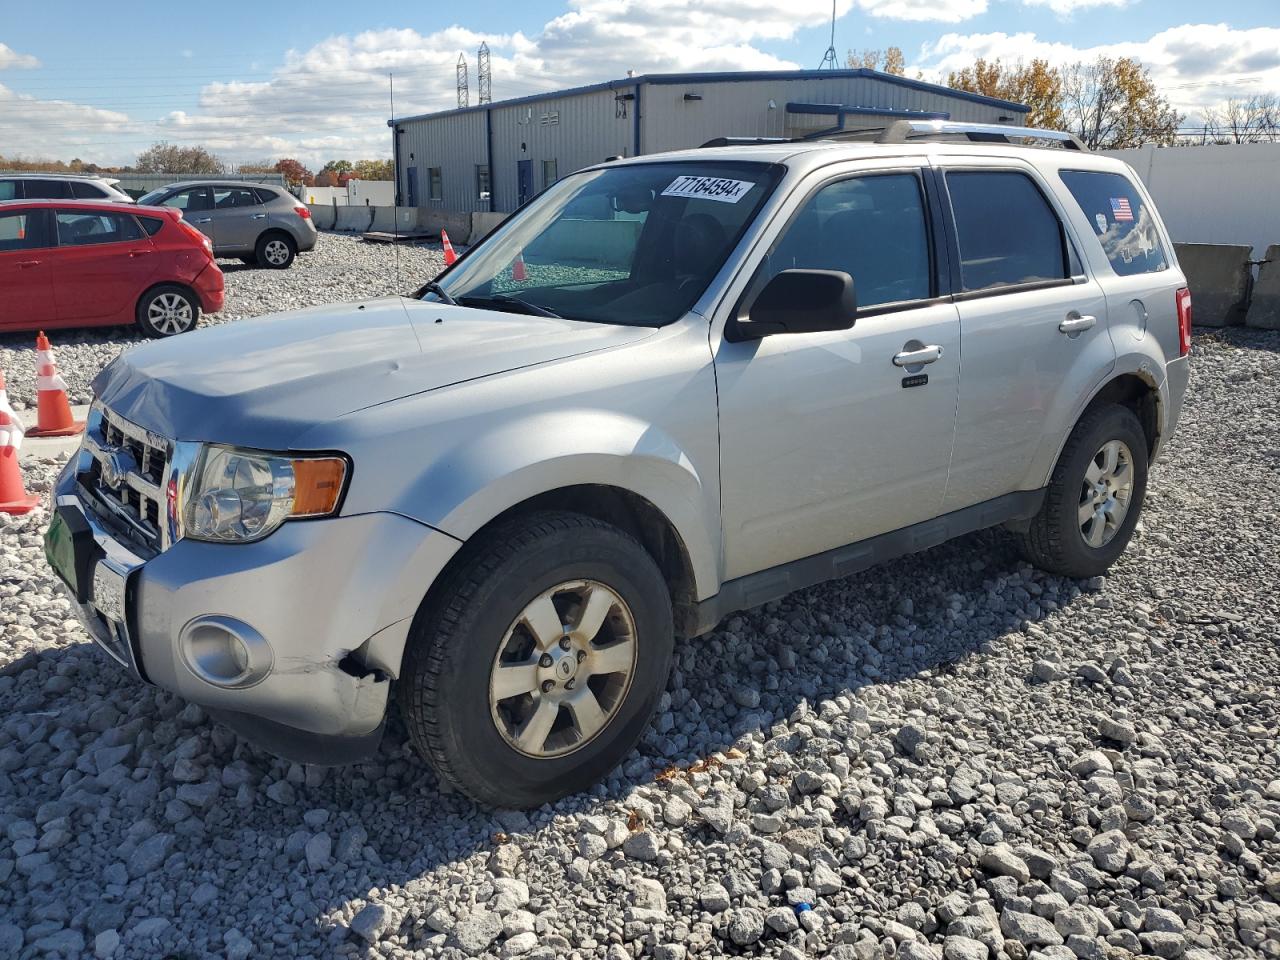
669 388
259 224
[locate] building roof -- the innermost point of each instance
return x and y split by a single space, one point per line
736 76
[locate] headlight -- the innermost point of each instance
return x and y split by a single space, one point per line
236 496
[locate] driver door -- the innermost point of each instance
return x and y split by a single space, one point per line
825 438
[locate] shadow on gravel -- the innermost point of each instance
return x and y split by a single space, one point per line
389 820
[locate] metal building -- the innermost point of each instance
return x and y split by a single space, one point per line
497 155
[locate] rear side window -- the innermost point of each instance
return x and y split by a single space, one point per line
151 224
872 228
47 190
1008 233
226 198
80 228
1121 221
22 230
87 191
9 190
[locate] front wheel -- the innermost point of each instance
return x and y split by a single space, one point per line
539 665
1094 498
275 250
167 311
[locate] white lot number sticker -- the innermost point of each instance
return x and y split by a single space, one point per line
708 188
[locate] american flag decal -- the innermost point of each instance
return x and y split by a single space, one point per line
1120 208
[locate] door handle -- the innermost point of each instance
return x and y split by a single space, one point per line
1077 324
205 220
910 358
258 216
139 253
25 264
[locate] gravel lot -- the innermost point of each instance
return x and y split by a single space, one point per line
951 756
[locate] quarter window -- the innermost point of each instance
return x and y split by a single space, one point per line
1008 233
1121 221
871 227
435 186
79 228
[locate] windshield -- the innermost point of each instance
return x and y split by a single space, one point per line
634 245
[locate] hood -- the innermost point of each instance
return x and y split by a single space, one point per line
261 382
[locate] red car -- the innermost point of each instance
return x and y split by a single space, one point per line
66 263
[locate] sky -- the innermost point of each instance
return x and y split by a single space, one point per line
254 84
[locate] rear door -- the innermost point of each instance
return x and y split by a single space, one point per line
1033 327
238 218
26 269
104 262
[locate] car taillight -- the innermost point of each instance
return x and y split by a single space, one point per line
1184 321
197 236
303 212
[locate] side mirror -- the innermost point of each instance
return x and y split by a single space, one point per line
798 301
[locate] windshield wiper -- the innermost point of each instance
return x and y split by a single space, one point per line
502 300
432 287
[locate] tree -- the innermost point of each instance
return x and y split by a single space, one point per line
1112 104
886 61
1255 120
295 174
1036 84
166 157
337 167
256 166
374 170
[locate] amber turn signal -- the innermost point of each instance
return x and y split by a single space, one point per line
317 485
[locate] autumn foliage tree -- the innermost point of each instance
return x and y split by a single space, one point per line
294 173
1035 84
886 61
166 157
1112 104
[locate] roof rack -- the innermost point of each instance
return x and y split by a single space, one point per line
902 131
743 141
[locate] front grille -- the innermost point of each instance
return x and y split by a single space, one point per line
126 476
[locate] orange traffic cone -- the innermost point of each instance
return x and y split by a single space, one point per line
53 412
449 255
13 496
518 272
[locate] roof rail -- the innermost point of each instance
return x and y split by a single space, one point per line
902 131
743 141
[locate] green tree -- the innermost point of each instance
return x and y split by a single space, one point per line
374 170
164 157
337 167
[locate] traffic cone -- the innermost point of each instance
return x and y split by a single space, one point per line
517 269
449 255
53 412
13 496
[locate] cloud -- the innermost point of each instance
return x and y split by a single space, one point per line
940 11
11 59
1194 65
1065 8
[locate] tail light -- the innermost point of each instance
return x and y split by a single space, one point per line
196 235
303 212
1184 321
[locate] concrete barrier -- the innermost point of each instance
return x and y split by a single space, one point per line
393 219
1264 308
353 219
483 224
433 221
1219 276
322 214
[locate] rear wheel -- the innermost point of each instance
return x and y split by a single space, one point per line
1094 498
275 250
540 664
167 311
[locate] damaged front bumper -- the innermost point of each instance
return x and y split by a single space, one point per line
325 607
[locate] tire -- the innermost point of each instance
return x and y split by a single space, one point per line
167 311
1057 539
444 690
275 251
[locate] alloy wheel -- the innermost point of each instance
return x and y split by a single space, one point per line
170 313
276 252
1106 493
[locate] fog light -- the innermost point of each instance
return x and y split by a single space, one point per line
225 652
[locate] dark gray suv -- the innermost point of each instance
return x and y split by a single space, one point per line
259 224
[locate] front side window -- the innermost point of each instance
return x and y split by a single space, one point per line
9 190
1121 221
1008 233
80 228
47 190
226 198
196 198
22 230
435 184
634 244
870 227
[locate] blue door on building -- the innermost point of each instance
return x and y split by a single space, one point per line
524 180
413 187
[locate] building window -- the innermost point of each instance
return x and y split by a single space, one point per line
549 175
435 185
482 181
